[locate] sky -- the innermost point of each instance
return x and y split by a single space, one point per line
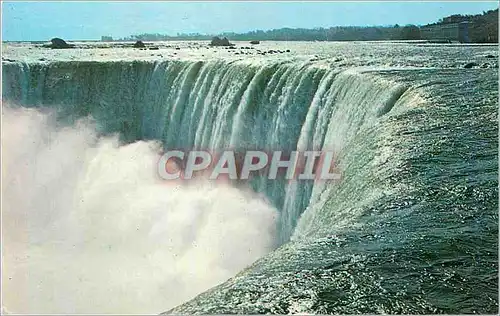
72 20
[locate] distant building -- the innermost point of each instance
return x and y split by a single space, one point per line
106 38
463 32
446 32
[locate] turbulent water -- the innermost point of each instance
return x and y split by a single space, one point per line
412 226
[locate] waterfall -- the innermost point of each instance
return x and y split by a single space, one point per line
411 227
213 105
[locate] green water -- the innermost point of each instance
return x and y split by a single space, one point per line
412 227
418 210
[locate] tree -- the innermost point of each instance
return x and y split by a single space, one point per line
410 32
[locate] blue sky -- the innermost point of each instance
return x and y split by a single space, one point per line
90 20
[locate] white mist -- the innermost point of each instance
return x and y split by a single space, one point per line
88 227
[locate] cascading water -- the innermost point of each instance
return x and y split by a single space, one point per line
391 236
215 105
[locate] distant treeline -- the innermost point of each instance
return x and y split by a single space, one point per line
484 28
351 33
